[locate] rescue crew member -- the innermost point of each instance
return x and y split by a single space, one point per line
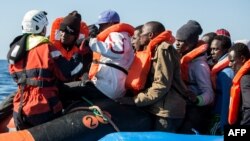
35 66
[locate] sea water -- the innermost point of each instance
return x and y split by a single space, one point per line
7 85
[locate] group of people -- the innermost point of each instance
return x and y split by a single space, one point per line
191 83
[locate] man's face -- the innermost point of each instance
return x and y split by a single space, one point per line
145 35
67 38
235 62
217 50
104 26
181 46
136 40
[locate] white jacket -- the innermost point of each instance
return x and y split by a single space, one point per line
116 49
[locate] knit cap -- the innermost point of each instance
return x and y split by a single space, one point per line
189 32
71 23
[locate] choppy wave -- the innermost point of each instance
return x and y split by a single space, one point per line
7 85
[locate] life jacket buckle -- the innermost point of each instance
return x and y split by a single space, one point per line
22 79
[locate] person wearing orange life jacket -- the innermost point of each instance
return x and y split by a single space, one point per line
239 107
67 34
164 88
208 38
115 53
196 74
69 45
34 66
136 39
244 41
221 76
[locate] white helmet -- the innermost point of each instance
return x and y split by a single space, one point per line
34 21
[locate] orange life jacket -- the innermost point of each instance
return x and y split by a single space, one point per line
55 37
235 93
137 74
121 27
40 90
218 67
201 48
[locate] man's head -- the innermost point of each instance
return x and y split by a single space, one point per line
220 46
70 28
136 38
149 31
244 41
208 38
187 36
35 22
107 18
238 55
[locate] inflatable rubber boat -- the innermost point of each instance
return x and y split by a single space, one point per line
81 123
158 136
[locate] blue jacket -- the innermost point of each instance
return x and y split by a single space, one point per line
222 93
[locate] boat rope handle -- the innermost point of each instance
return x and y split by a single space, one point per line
97 112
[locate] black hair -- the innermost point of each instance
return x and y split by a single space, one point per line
157 27
76 14
240 49
139 28
210 36
93 30
225 41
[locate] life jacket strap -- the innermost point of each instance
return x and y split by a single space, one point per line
37 83
112 65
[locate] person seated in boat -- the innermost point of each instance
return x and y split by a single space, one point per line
196 74
221 76
36 65
239 107
113 55
244 41
164 90
67 34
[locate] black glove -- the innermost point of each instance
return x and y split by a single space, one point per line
93 31
76 58
86 42
79 42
